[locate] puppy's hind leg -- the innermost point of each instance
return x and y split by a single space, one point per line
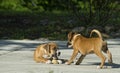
103 58
109 57
80 59
106 50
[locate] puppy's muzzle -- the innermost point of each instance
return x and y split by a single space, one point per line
69 45
55 56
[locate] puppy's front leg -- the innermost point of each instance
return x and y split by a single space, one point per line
75 52
40 59
80 59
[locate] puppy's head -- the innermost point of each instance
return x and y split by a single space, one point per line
70 38
52 50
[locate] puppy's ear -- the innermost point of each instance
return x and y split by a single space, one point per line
71 35
47 47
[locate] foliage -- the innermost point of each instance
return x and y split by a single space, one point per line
94 11
52 19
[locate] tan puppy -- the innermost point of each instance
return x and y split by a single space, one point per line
85 46
50 50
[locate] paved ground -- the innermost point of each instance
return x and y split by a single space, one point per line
16 56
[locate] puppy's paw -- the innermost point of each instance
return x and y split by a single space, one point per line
59 61
110 61
77 63
104 67
48 62
98 67
67 63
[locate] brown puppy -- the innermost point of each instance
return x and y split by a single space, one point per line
50 50
85 46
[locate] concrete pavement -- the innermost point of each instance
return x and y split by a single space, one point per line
16 56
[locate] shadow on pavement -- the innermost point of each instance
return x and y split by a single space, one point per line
114 65
16 45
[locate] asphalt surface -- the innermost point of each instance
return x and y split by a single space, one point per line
16 56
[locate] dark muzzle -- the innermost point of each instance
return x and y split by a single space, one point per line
55 56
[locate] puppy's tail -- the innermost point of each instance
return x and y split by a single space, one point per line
97 32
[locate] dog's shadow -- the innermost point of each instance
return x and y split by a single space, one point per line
113 65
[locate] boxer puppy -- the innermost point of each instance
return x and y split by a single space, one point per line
50 50
85 46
